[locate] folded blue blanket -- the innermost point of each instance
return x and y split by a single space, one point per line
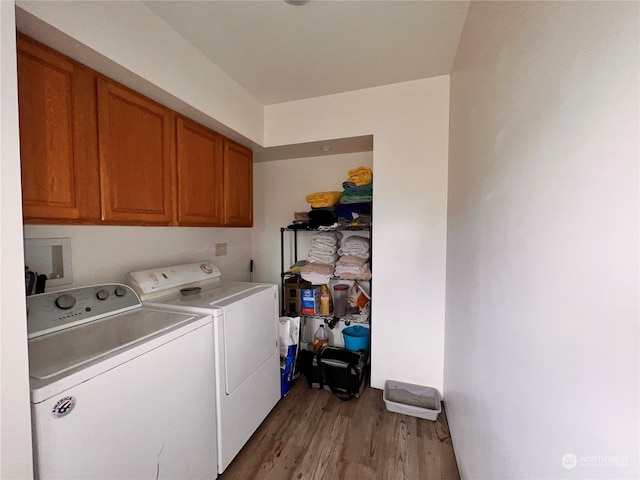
345 210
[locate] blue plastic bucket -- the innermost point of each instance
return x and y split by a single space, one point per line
356 338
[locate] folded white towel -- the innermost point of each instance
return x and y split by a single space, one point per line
327 238
341 269
320 257
355 245
324 248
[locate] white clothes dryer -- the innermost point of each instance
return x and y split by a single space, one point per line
247 358
119 390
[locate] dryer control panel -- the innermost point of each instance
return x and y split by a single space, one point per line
164 280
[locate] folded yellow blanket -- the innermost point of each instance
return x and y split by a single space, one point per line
360 175
323 199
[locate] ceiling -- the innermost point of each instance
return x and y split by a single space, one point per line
281 52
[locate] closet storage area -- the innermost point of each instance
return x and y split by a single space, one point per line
343 274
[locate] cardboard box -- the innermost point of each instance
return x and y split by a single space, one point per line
310 300
292 305
293 294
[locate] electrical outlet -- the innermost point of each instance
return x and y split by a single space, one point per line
221 249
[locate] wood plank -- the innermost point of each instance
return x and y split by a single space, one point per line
312 435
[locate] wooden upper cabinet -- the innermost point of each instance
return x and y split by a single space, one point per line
58 139
136 143
95 152
200 174
238 185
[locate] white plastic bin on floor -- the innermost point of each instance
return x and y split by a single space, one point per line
410 399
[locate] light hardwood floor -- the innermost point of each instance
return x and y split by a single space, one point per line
313 435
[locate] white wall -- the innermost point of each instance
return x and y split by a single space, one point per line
280 190
542 254
15 427
106 254
409 122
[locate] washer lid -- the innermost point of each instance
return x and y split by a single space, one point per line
57 354
210 297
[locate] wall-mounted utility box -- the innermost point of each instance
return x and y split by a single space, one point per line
51 257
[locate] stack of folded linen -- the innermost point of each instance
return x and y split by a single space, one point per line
355 203
322 256
324 247
351 267
322 214
356 194
354 261
355 245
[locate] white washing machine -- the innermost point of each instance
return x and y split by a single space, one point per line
247 358
118 390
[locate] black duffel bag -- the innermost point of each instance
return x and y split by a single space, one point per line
342 371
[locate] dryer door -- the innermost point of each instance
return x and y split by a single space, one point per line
250 335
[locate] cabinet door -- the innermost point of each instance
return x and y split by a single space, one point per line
238 185
136 157
200 175
58 138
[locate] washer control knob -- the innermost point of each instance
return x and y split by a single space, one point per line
120 291
65 302
102 294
